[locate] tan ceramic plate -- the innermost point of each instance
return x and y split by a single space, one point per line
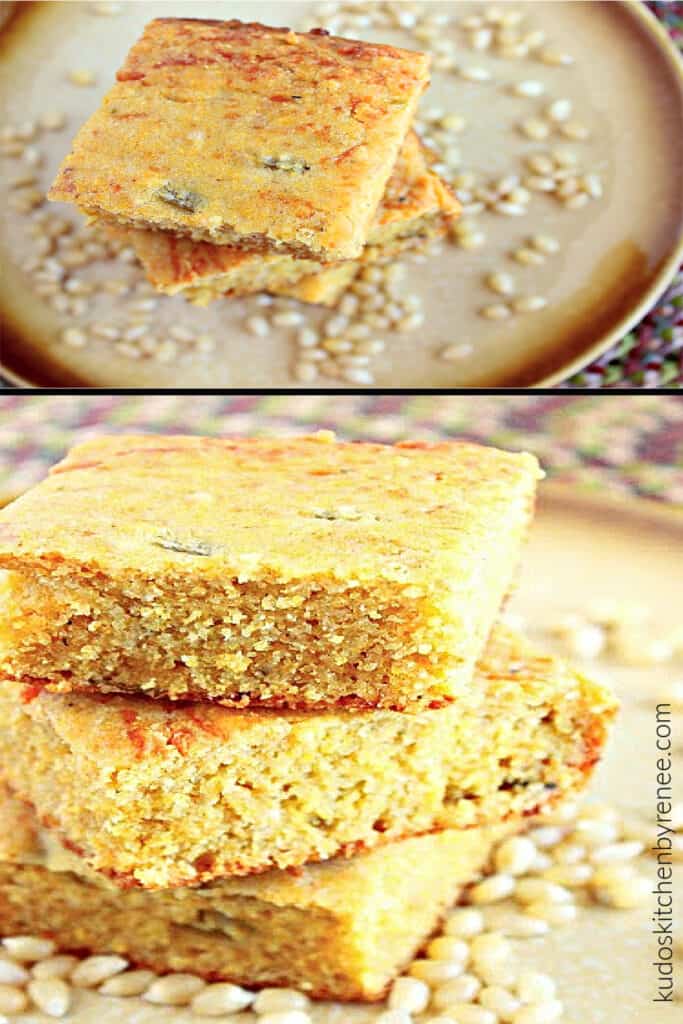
579 548
616 254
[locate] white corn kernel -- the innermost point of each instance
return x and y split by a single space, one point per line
259 326
453 123
82 76
609 874
471 240
500 1001
307 338
502 974
459 990
571 875
55 967
545 243
559 110
436 972
555 57
221 998
51 995
496 312
529 304
409 994
592 183
547 836
452 353
534 128
276 1000
491 946
464 922
595 832
131 983
519 195
537 183
631 892
542 862
52 121
533 890
540 163
528 257
574 130
492 889
174 990
475 74
510 209
28 948
502 284
481 39
612 852
96 969
516 855
448 947
289 318
529 88
534 987
12 973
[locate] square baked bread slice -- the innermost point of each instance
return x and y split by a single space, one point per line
341 930
295 572
242 134
159 795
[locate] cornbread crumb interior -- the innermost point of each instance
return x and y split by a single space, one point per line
340 930
156 794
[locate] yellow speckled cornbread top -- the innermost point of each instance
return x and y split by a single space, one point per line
416 514
241 133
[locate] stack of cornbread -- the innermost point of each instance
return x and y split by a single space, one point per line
255 706
237 158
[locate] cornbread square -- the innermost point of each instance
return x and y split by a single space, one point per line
416 205
158 795
298 572
341 930
242 134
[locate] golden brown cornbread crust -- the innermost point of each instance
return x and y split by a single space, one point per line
326 287
203 272
341 930
416 206
160 795
242 134
279 572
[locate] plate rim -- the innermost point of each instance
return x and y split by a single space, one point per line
667 271
661 514
652 27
